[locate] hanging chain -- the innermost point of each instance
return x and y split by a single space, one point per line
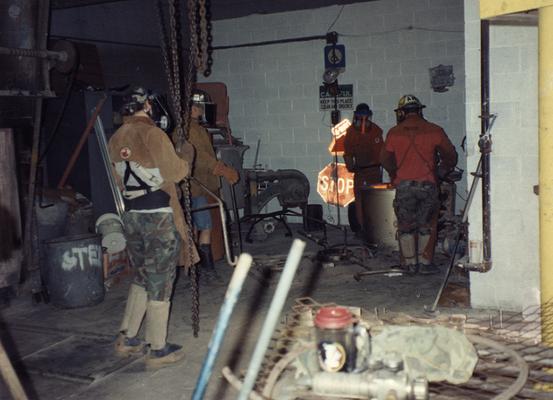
209 40
180 135
201 62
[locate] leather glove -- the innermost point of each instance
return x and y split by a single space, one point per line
187 152
229 173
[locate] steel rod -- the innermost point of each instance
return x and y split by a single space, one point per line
221 205
103 145
273 315
33 270
18 52
81 143
10 377
231 296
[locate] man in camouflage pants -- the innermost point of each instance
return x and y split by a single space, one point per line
410 155
147 169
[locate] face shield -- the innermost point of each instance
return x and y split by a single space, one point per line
361 119
206 107
160 112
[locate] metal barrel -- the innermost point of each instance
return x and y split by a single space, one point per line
74 275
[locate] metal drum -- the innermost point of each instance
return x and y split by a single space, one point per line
378 210
75 275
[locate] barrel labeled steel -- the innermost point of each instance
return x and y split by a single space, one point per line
74 271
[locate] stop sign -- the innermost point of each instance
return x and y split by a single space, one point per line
335 184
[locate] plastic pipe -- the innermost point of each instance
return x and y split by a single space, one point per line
273 316
231 296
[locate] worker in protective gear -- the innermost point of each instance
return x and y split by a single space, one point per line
147 168
362 146
207 170
416 153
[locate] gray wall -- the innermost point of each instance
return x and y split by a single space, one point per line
274 89
513 282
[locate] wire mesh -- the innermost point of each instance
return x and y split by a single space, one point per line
496 370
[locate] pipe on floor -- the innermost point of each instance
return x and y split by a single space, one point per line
273 316
231 296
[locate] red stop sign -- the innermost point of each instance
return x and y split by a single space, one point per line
335 185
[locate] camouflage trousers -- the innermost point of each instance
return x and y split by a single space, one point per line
416 204
153 244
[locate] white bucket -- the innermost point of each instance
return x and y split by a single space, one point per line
110 227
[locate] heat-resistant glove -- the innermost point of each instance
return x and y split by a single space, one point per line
229 173
186 152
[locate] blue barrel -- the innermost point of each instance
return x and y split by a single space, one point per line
74 275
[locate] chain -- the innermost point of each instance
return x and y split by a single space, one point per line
165 52
209 37
180 136
190 74
201 62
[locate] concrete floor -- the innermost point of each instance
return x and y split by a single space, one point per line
68 354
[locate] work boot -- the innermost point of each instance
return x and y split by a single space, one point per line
208 274
410 269
161 353
170 354
127 346
429 269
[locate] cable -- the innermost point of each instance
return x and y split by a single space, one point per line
407 28
335 19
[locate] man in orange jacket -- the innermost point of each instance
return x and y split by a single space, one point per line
416 153
362 146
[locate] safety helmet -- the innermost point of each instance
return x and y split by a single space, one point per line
409 103
200 97
363 110
135 100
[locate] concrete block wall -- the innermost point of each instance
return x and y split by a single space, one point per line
274 89
513 283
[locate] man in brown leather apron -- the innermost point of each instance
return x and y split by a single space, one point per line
147 169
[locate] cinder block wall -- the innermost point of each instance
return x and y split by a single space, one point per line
274 89
514 280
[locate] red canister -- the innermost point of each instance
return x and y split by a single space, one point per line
335 339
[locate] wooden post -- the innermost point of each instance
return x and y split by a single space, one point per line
10 216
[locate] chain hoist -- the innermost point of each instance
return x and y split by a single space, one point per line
172 62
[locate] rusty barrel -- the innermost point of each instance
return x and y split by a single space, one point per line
74 275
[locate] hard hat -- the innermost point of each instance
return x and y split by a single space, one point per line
135 100
200 97
363 110
408 103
